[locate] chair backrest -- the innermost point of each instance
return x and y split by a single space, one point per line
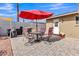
42 30
25 33
50 31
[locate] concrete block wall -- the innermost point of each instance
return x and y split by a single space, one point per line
4 25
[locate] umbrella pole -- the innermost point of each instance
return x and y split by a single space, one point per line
23 20
36 26
37 29
17 6
10 28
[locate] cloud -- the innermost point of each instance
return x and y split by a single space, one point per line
57 5
53 5
8 15
7 7
60 7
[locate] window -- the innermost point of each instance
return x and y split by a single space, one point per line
56 24
77 19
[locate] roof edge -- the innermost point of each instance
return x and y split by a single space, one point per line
55 16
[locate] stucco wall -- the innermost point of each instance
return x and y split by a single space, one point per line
4 25
67 25
49 23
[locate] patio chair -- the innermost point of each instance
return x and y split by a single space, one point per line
50 37
47 35
25 32
28 36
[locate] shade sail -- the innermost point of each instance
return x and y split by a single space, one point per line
34 14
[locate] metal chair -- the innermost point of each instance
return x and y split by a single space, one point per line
50 37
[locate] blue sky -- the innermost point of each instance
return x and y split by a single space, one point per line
9 9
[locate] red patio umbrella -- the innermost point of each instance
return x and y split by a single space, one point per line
35 15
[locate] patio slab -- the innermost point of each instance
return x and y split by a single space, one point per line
64 47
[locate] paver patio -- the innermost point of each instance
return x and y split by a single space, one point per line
64 47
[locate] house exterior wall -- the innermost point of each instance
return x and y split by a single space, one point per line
49 23
67 25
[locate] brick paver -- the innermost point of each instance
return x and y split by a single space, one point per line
64 47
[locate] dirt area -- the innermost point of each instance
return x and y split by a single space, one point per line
5 47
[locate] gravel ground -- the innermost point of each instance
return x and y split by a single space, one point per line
64 47
5 47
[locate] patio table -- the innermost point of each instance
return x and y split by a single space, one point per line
38 36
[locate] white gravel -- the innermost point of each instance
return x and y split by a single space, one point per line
64 47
